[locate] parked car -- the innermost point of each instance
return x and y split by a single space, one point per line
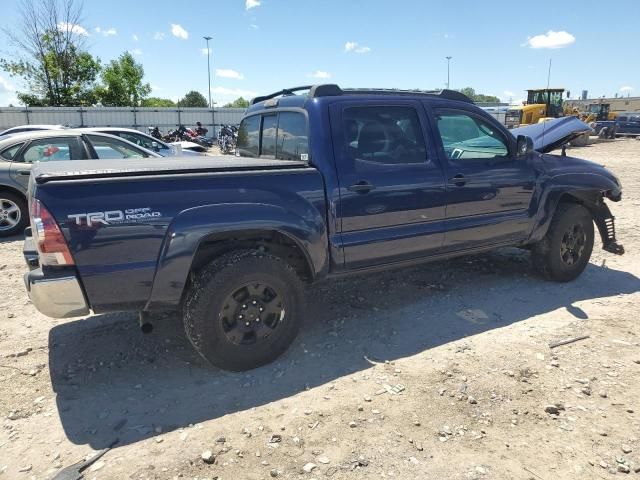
144 140
19 152
333 182
29 128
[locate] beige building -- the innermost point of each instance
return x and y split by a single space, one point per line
620 104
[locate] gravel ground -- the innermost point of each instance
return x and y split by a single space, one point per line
441 371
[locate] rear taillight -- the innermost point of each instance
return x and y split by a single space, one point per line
50 243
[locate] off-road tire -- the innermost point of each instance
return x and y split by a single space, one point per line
547 253
204 319
21 202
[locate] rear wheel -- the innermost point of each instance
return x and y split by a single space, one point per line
13 214
244 310
564 252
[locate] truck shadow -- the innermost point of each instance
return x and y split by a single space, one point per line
113 382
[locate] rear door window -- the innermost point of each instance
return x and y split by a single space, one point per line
383 135
51 149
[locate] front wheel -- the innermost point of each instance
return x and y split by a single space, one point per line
244 310
564 252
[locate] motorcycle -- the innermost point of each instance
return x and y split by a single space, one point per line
228 138
155 132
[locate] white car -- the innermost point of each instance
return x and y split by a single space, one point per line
30 128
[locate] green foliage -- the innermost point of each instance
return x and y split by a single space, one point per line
238 103
158 102
193 99
123 85
60 73
478 97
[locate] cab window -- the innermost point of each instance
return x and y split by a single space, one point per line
278 135
249 137
383 135
467 137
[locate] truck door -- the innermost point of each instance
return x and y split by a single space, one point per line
391 201
489 189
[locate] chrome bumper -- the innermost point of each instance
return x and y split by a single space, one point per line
57 296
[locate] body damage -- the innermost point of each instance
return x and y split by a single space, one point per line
580 181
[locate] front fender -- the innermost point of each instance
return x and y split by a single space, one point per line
586 188
302 223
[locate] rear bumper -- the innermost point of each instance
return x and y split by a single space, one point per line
56 295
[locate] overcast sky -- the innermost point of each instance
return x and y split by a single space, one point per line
259 46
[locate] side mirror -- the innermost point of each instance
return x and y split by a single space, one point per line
524 146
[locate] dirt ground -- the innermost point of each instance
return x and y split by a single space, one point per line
441 371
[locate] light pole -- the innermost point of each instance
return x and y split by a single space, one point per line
448 62
213 115
208 67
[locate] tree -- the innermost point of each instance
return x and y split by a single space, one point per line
158 102
51 56
478 97
238 103
123 85
193 99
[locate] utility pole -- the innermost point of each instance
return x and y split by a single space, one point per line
448 62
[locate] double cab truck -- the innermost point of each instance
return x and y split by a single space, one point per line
325 182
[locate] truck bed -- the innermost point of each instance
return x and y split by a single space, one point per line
128 167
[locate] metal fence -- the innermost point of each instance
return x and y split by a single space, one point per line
138 118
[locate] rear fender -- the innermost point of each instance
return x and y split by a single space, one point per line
302 224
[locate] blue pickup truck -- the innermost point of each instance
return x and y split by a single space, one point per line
326 182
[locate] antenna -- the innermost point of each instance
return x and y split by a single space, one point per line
544 124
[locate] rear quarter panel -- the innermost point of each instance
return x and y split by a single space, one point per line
117 262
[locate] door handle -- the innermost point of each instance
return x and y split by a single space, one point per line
458 180
26 173
361 187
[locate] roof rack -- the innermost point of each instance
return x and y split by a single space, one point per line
448 94
332 90
284 92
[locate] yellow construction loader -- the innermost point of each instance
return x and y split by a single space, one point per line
542 103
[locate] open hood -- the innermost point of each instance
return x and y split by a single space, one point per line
552 134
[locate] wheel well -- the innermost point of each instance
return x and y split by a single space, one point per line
274 242
15 191
589 199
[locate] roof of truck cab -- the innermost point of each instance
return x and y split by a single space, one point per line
318 94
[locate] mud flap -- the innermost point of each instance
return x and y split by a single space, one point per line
606 226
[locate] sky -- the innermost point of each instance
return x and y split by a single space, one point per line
259 46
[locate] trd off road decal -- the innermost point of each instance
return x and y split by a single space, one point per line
129 215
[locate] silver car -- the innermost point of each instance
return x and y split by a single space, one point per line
144 140
20 151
